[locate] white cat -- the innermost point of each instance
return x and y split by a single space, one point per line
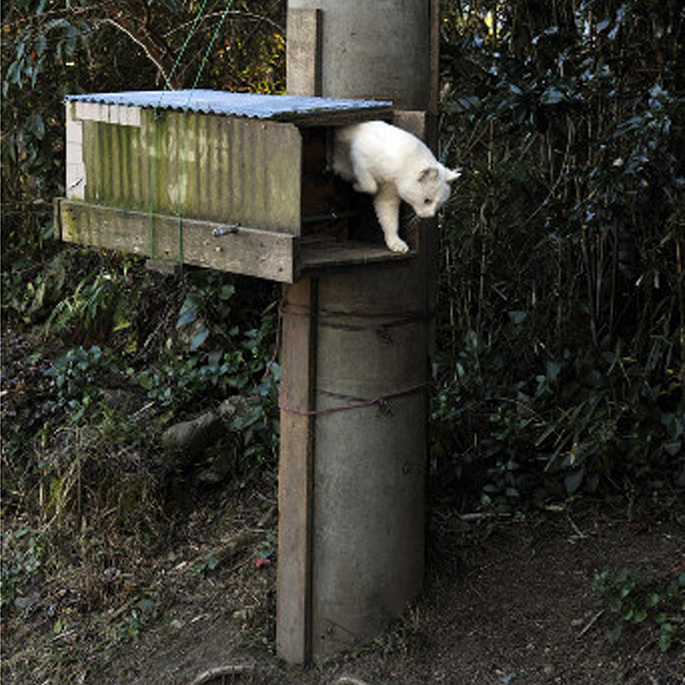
392 165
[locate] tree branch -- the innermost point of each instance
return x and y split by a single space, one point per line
137 27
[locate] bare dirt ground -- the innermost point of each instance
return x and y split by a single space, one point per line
515 606
504 603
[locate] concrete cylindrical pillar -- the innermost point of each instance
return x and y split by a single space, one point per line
351 484
368 470
378 49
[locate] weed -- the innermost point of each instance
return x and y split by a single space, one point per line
633 600
208 563
23 554
138 616
75 379
96 306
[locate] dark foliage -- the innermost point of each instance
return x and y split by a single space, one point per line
561 364
561 320
115 352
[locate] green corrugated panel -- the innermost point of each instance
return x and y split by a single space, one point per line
231 170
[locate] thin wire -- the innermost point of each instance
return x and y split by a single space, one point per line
153 170
153 190
211 44
179 157
380 400
183 47
179 185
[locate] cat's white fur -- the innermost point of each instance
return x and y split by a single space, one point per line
392 165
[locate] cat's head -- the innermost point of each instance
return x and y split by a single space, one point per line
428 191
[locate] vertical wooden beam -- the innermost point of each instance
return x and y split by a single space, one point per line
300 304
297 397
303 56
434 65
431 245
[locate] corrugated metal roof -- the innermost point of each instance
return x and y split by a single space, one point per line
235 104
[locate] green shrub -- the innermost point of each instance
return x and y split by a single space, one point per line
632 600
561 324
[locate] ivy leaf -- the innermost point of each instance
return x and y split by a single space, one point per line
574 480
226 292
552 96
614 634
189 312
186 318
639 615
199 338
517 317
668 630
212 561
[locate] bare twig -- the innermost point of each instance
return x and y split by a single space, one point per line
133 19
590 623
219 671
481 516
159 55
579 533
238 14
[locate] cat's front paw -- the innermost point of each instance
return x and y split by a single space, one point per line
397 245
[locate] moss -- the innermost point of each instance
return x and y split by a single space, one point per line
230 170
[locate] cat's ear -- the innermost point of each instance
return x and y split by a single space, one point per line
430 173
452 175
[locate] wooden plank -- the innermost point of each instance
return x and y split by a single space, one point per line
244 250
303 57
326 254
295 472
339 118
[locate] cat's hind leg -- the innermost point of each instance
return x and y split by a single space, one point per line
387 206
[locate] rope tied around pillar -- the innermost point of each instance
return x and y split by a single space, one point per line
379 400
335 318
350 403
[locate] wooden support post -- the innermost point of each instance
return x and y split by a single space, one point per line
297 398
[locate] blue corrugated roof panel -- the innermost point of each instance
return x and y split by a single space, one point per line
233 104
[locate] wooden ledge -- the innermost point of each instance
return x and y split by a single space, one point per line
257 252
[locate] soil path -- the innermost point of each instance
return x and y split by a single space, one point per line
514 606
